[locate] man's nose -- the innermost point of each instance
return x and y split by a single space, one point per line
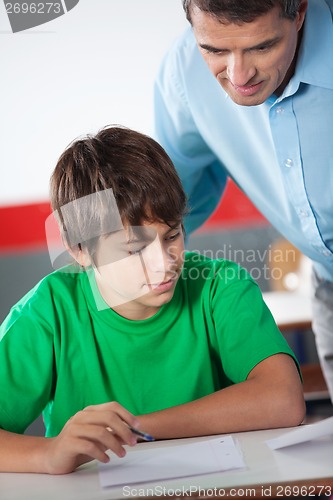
240 70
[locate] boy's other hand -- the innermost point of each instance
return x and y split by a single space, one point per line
88 435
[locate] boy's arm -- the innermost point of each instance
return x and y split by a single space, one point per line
86 436
272 396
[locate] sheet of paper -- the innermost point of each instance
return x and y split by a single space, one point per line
169 462
303 434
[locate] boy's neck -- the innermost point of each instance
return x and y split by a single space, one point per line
133 313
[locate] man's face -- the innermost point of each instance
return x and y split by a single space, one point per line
137 269
251 61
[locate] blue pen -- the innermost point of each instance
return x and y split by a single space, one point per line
143 435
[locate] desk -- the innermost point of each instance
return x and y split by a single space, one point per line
309 465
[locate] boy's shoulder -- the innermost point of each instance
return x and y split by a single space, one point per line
58 286
54 295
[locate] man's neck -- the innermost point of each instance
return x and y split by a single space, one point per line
291 70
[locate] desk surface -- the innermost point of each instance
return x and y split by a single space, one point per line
268 474
290 309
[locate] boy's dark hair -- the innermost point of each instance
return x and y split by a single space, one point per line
145 184
241 11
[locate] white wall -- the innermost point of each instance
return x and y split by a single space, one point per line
91 67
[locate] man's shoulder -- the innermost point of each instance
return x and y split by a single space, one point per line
182 53
311 69
329 3
318 8
184 42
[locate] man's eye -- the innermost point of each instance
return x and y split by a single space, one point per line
264 48
211 52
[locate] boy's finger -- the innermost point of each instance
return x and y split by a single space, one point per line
115 407
95 440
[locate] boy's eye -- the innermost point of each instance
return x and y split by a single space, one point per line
173 236
136 250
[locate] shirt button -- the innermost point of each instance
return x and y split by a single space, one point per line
288 163
327 253
279 110
303 213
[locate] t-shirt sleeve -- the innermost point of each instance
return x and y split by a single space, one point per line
246 332
26 368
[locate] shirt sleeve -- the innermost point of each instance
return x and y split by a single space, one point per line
201 173
26 368
246 332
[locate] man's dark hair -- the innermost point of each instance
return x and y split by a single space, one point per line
241 11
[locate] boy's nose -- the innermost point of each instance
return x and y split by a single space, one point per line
159 260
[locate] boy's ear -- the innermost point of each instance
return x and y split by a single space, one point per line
80 255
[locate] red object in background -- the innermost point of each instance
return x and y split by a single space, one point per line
23 226
234 210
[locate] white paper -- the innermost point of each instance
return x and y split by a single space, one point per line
168 462
303 434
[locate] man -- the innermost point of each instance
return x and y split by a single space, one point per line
247 92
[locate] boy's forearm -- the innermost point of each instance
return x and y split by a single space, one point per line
21 453
216 414
242 407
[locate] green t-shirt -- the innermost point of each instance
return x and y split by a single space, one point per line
59 353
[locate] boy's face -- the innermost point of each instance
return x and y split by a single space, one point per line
136 269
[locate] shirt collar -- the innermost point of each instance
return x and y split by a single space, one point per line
315 57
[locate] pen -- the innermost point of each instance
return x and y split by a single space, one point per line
143 435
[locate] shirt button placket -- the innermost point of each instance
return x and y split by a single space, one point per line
288 163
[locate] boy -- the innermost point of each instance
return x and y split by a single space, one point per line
139 333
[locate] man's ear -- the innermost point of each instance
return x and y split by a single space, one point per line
301 13
80 255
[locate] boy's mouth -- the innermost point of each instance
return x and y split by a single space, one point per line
165 285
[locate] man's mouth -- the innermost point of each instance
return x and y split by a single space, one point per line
247 90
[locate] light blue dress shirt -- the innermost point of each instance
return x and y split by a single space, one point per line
280 153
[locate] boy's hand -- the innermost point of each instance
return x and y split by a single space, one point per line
87 436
